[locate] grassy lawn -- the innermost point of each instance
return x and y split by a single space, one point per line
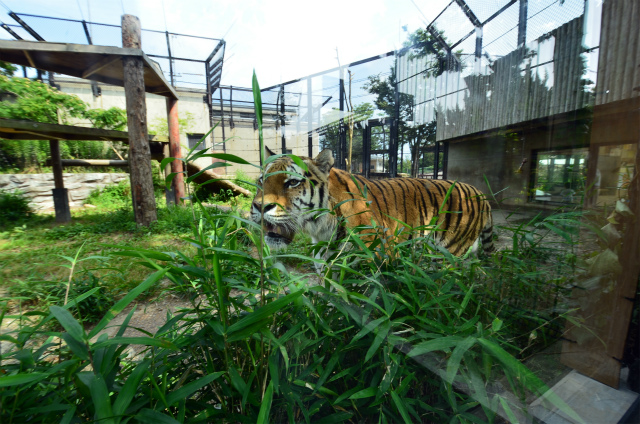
36 254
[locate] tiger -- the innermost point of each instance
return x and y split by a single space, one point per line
284 199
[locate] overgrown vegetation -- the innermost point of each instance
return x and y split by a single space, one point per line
394 331
35 101
15 207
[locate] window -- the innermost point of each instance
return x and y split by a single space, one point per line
194 139
560 176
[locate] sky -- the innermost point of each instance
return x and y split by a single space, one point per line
281 39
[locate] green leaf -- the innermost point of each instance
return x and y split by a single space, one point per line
68 416
154 417
230 158
130 388
257 104
298 162
79 348
364 393
265 408
188 389
440 343
18 379
166 161
100 399
380 336
212 166
69 323
456 357
258 318
124 302
144 341
527 377
401 408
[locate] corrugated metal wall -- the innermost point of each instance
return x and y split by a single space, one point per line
545 78
619 60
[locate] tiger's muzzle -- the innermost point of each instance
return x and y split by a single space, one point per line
277 235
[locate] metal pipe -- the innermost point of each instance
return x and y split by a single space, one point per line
26 27
174 148
170 58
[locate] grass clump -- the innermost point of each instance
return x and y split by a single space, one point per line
15 208
394 331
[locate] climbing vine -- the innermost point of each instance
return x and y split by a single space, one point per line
33 100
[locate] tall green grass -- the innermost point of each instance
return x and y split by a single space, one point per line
392 332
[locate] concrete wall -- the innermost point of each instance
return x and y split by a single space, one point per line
37 187
242 140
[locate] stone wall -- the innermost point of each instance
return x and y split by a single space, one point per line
38 187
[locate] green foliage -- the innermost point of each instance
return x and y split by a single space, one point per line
160 126
112 119
46 293
39 102
14 208
393 331
7 69
112 196
36 101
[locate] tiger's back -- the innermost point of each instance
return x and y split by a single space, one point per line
288 194
463 219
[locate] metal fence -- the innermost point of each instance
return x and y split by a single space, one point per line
180 56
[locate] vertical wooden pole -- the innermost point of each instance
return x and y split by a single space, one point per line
175 150
170 192
60 196
144 203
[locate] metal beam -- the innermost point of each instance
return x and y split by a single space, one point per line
10 31
467 11
522 23
26 27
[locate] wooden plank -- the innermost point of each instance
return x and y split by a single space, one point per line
104 62
14 129
78 59
94 162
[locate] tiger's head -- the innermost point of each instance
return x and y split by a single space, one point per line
287 195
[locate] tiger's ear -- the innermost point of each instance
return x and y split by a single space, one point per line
324 160
268 152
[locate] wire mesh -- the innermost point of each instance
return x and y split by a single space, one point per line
544 17
185 68
484 9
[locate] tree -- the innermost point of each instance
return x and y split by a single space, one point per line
35 101
7 69
420 44
331 133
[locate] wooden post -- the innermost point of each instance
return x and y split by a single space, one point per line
60 196
144 203
177 185
169 192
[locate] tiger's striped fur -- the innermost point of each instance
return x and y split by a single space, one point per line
465 220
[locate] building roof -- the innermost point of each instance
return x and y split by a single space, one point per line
98 63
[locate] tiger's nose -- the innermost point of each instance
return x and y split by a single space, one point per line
258 206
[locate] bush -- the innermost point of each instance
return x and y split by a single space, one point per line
14 208
48 293
112 196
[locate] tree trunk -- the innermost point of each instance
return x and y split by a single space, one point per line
415 157
144 203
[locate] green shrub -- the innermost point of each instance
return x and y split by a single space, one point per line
14 208
112 196
392 332
47 293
